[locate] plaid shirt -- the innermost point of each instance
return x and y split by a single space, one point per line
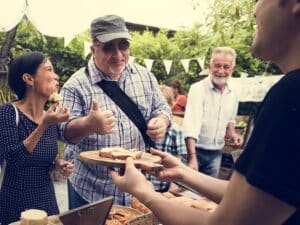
93 182
174 144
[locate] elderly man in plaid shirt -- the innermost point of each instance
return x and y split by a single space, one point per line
103 123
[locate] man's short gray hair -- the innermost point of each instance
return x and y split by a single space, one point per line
224 50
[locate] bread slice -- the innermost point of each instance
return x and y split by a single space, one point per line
136 204
120 153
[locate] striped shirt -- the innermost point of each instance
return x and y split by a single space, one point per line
208 113
174 144
93 182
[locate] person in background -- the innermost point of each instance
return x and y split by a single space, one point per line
178 107
173 143
28 139
264 188
211 110
110 126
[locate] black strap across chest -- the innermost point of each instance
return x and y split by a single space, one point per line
125 103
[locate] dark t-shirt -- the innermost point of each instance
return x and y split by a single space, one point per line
271 159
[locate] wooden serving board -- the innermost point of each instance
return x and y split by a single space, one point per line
146 162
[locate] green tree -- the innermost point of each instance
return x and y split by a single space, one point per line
149 46
183 45
232 23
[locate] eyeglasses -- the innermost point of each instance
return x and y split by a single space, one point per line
109 47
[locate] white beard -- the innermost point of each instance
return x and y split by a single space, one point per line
219 81
116 72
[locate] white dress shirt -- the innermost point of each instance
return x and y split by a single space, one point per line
208 112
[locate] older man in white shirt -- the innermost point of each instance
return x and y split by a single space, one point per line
211 109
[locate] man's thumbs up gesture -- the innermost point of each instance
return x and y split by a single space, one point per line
97 121
101 122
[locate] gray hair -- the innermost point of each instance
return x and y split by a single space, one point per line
224 50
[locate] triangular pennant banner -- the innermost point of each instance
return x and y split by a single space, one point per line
87 48
68 39
201 62
186 63
168 64
149 63
131 59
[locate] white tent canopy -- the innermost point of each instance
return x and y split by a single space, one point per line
253 89
67 18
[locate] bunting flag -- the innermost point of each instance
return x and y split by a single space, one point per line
186 63
87 48
131 59
201 62
68 39
149 63
168 64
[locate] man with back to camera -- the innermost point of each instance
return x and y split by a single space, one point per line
264 188
211 109
105 124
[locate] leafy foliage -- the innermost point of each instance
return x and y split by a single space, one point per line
232 23
6 95
160 47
